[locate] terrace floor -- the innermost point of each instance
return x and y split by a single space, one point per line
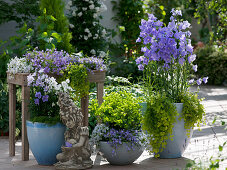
203 145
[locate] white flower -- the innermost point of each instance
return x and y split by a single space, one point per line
89 35
71 26
95 15
97 9
85 37
84 8
67 81
86 0
94 23
103 32
41 70
30 79
96 36
102 54
80 14
87 30
70 3
74 13
19 65
92 6
93 52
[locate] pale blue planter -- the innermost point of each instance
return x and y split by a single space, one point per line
144 107
123 156
176 147
45 141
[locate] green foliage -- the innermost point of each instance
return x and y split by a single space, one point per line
158 121
46 112
129 14
20 11
120 111
77 74
121 66
48 38
212 13
16 46
193 111
93 106
4 108
53 18
212 61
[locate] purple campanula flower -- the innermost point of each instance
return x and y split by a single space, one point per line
38 95
36 101
138 40
191 58
181 61
141 67
195 68
45 98
199 81
67 144
205 79
191 81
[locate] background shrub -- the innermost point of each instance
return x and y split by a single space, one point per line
212 61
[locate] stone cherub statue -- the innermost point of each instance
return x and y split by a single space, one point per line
76 154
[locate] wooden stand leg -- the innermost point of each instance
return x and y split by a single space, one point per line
12 118
100 87
25 116
84 108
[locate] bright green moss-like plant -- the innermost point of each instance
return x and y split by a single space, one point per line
78 76
120 111
159 120
193 110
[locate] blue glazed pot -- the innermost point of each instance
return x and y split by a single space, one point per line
45 141
176 147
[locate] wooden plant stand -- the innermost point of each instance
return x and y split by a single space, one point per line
97 77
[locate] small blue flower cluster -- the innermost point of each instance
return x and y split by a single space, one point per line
45 63
118 137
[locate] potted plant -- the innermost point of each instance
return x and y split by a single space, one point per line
46 80
119 136
172 111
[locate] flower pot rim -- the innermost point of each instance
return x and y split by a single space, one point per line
43 125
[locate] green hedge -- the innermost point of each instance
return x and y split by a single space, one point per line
212 62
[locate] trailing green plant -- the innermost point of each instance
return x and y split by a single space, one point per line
88 34
78 76
212 60
193 111
159 120
53 18
120 110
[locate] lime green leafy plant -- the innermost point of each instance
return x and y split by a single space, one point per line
78 76
120 111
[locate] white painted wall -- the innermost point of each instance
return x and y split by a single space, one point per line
107 20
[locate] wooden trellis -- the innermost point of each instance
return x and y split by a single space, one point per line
20 79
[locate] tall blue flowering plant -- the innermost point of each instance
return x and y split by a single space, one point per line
167 64
168 55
